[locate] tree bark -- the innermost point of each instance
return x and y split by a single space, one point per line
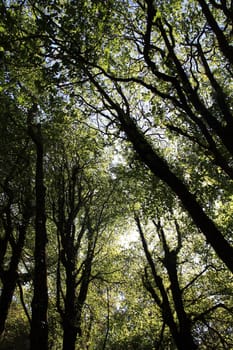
224 45
180 332
185 335
69 316
70 328
77 279
39 325
181 329
9 277
70 333
160 168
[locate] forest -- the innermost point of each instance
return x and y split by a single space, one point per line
116 175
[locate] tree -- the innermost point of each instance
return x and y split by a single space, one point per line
139 73
39 325
80 193
178 269
181 334
171 292
16 199
164 65
177 89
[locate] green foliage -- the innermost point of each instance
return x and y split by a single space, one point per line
91 67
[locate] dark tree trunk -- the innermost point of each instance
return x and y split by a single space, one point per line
39 325
9 284
74 304
9 277
224 44
161 169
185 339
162 301
69 336
185 342
4 299
68 257
69 321
71 304
181 330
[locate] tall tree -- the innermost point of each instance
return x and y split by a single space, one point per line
16 195
39 325
182 333
175 79
139 72
164 64
80 191
178 268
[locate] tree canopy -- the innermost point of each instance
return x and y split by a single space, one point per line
116 174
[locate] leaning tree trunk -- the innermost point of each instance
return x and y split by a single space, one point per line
160 168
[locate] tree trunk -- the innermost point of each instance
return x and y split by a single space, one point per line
185 339
160 168
8 288
70 335
39 326
74 304
181 332
185 342
9 278
70 329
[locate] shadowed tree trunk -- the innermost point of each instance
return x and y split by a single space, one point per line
10 276
216 134
181 328
39 324
160 168
71 217
14 235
